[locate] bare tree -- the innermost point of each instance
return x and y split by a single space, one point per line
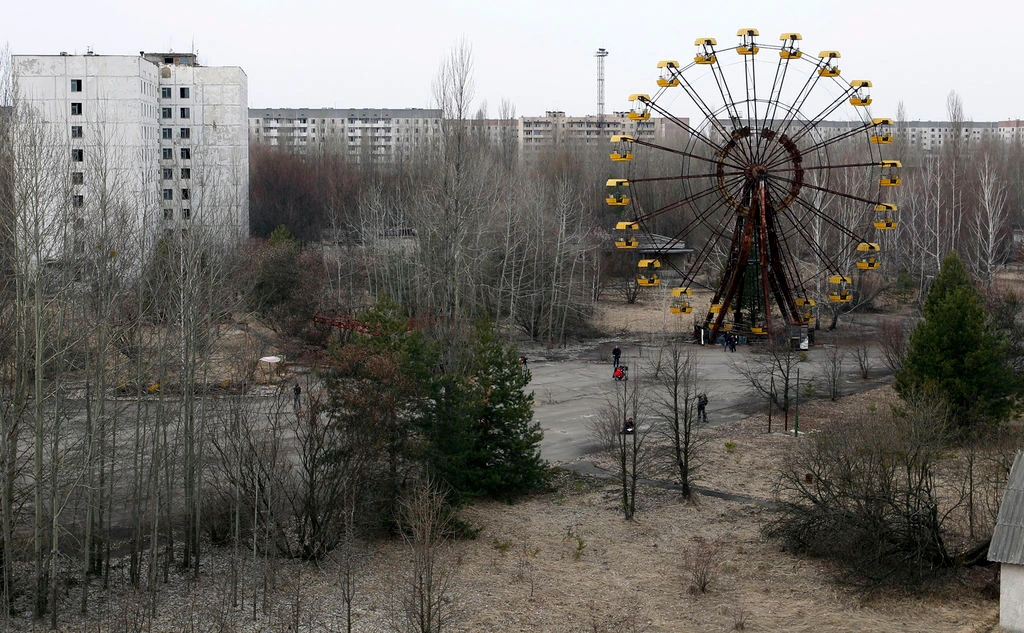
773 372
867 494
37 226
990 221
426 600
679 412
895 336
862 353
631 449
833 367
701 560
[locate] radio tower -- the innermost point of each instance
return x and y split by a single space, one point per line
600 55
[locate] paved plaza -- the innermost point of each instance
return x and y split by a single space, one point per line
571 386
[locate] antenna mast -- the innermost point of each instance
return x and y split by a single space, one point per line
600 55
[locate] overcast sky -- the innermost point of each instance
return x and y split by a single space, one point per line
539 55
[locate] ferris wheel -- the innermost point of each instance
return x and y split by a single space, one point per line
777 195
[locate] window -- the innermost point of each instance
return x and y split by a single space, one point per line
76 108
78 155
76 131
77 178
186 153
184 194
168 60
168 194
186 213
186 173
167 153
168 173
183 92
165 113
165 133
76 85
186 132
168 214
185 113
165 92
77 201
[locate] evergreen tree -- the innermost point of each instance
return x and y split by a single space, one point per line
485 441
382 385
955 352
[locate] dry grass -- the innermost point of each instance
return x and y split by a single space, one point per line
643 561
566 561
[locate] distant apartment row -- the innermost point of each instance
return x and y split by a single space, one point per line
391 134
931 135
386 134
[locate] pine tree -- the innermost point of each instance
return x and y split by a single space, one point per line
485 441
956 353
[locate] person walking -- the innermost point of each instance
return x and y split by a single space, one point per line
616 354
297 391
702 408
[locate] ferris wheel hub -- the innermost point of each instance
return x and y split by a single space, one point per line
756 172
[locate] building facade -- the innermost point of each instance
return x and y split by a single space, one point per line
166 136
364 134
389 135
555 128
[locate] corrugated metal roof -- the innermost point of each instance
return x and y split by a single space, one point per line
1007 544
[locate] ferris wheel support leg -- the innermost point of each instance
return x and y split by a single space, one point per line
731 284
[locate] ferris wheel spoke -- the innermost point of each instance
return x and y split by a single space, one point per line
703 257
770 111
826 167
821 213
817 251
828 263
835 192
811 124
825 113
750 81
838 138
725 92
731 174
685 126
694 95
679 152
730 105
807 239
801 233
779 81
799 225
694 197
798 103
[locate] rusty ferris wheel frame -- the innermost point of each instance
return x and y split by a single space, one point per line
756 173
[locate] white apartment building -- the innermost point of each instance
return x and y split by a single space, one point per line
376 134
393 134
170 135
555 128
932 135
